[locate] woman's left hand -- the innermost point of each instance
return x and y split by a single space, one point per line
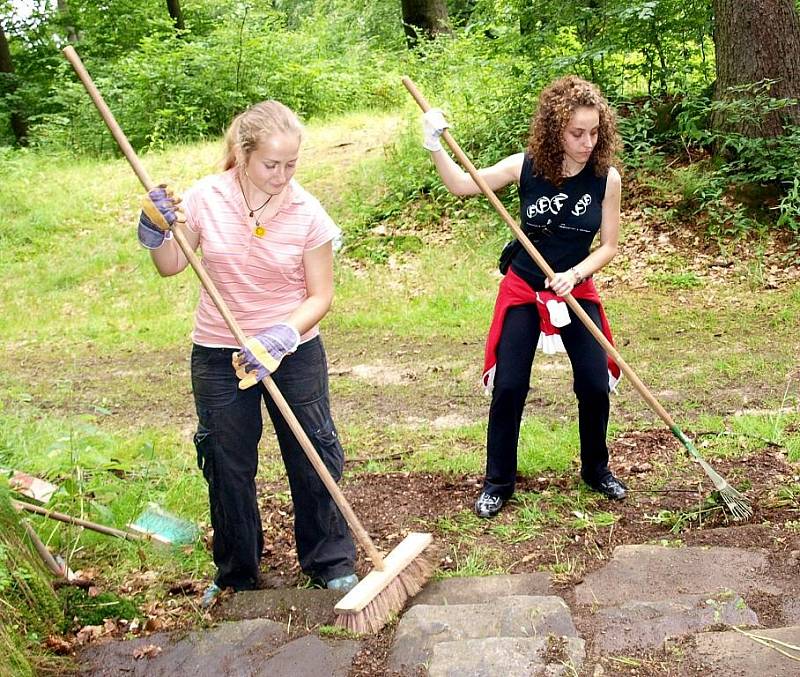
562 284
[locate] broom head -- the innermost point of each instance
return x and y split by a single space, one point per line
164 527
383 593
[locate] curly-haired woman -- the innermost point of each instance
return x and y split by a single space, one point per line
568 191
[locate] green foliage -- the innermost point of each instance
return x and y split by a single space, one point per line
625 47
82 609
29 610
165 87
679 521
750 184
105 477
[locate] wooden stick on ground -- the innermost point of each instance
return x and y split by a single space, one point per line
44 553
69 519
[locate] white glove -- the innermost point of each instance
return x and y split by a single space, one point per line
433 125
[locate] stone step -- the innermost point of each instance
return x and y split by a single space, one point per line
480 589
649 572
230 649
424 626
507 656
647 624
249 648
732 653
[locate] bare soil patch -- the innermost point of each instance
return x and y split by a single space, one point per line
391 504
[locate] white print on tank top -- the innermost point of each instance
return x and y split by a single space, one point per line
547 204
582 205
554 204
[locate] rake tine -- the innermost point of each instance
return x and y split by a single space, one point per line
738 505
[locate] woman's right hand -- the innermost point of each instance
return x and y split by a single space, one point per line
433 126
159 211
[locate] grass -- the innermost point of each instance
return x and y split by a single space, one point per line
474 561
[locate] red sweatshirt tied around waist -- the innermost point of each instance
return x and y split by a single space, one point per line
514 291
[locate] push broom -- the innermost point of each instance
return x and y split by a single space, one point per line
402 573
737 504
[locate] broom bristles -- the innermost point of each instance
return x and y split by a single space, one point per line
164 527
391 600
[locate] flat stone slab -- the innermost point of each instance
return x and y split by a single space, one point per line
732 653
310 656
644 625
480 589
229 650
507 656
791 610
308 606
649 572
424 626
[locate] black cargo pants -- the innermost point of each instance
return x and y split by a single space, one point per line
228 432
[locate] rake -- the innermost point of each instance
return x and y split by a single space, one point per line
738 505
395 578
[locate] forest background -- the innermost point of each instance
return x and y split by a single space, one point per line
707 93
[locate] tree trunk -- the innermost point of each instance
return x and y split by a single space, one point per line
424 17
8 86
756 40
66 20
174 9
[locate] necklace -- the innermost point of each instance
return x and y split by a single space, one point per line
259 230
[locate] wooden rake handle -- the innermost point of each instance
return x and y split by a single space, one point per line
177 229
545 267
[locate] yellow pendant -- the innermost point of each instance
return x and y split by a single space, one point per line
260 231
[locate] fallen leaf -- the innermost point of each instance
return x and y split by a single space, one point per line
149 651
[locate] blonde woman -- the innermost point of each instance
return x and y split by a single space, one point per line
268 246
569 192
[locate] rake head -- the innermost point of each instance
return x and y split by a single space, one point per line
739 506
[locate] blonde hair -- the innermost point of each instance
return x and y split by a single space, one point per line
557 102
252 126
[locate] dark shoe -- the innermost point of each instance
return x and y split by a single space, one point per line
611 488
488 505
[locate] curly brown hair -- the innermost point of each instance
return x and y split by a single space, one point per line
557 103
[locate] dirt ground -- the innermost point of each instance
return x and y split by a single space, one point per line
670 499
392 504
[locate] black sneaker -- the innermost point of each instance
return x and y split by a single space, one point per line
488 505
611 488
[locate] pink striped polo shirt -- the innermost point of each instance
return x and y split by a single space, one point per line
261 279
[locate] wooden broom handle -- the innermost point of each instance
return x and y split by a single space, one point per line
542 263
77 521
177 229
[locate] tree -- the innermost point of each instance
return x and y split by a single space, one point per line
424 17
757 40
8 87
174 9
66 19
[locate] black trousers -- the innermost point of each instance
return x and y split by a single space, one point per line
515 352
229 429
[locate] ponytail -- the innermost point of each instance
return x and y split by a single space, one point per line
252 126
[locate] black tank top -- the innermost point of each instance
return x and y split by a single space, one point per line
561 221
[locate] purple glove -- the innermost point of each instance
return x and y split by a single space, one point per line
262 354
159 212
